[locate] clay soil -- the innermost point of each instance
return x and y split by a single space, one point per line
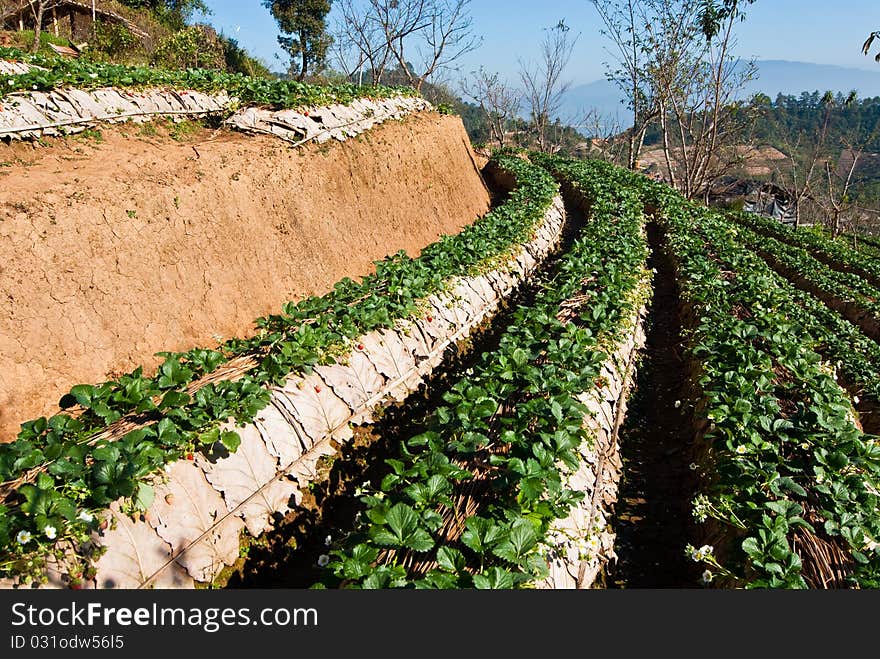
116 246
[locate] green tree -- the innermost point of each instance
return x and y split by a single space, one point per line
713 14
174 13
303 25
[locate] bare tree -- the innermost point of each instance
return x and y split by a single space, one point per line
447 34
837 201
498 100
625 25
799 178
604 135
840 175
358 42
542 82
436 32
38 9
697 83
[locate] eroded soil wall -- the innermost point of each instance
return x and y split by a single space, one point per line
112 251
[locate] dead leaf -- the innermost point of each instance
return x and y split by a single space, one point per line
355 382
442 306
134 554
251 469
283 436
318 410
389 354
197 510
305 469
414 340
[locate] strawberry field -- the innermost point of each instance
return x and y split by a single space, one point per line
649 392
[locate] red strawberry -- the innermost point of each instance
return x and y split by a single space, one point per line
189 456
430 319
317 388
360 346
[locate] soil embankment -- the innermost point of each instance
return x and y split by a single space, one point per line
113 250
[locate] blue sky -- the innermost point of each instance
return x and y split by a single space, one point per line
815 31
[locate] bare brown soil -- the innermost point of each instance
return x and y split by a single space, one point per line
114 249
653 516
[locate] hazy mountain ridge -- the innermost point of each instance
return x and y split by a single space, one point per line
774 77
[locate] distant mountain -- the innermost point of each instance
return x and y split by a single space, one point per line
774 77
782 77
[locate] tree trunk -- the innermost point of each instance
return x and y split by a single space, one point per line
640 143
632 158
664 130
38 25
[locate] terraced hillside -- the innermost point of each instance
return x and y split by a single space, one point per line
597 383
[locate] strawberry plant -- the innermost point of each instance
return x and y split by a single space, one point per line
58 73
845 291
786 465
834 253
90 464
507 433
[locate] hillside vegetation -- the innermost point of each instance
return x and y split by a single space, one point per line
154 32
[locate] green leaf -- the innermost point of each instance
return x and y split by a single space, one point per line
481 534
750 546
145 496
403 530
107 453
450 559
212 436
495 578
45 482
521 540
231 440
174 399
82 394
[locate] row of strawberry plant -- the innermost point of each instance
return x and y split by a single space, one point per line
469 501
59 471
846 292
867 243
834 253
58 73
856 356
785 464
